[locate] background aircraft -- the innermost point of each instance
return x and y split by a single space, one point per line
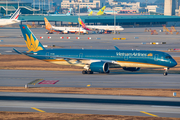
97 60
67 14
108 28
100 12
106 12
64 30
12 20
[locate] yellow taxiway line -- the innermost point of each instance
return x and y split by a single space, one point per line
149 114
37 109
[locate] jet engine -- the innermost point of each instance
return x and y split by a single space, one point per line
101 67
131 68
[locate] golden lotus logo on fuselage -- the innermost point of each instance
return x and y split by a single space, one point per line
32 45
150 54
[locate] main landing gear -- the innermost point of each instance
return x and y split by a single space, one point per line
165 71
87 72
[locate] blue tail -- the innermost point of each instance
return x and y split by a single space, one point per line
89 9
32 42
56 12
69 11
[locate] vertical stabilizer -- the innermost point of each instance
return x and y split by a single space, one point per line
69 12
89 9
83 25
47 24
32 42
101 11
56 12
16 14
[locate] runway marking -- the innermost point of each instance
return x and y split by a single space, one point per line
37 109
149 114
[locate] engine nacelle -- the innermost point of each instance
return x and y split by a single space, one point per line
101 67
131 68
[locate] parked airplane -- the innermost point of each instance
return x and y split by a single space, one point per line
106 12
108 28
64 30
67 14
12 20
100 12
97 60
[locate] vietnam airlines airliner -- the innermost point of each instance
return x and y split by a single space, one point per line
97 60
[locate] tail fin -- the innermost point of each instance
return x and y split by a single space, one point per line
82 24
89 9
90 13
69 11
101 11
32 42
47 24
16 14
56 12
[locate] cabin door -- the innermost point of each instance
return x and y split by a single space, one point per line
156 57
47 55
126 57
80 55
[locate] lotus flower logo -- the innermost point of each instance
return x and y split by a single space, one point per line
150 54
33 45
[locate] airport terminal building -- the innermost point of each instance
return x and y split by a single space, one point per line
122 20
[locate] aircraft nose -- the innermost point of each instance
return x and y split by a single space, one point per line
173 63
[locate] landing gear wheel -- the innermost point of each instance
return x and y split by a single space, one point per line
165 74
89 72
84 72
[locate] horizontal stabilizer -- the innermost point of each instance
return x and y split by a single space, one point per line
17 51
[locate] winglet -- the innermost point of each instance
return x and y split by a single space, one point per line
116 48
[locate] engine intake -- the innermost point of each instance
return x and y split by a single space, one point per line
101 67
131 68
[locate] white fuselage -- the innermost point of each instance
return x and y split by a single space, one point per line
8 21
105 27
69 29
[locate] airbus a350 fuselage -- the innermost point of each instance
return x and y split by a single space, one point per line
94 60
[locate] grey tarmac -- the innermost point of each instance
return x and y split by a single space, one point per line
77 79
90 104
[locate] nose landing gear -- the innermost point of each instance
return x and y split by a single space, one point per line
165 71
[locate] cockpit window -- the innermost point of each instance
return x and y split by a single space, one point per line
168 57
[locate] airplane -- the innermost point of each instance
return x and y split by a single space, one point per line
67 14
100 12
106 12
64 30
12 20
99 27
96 60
